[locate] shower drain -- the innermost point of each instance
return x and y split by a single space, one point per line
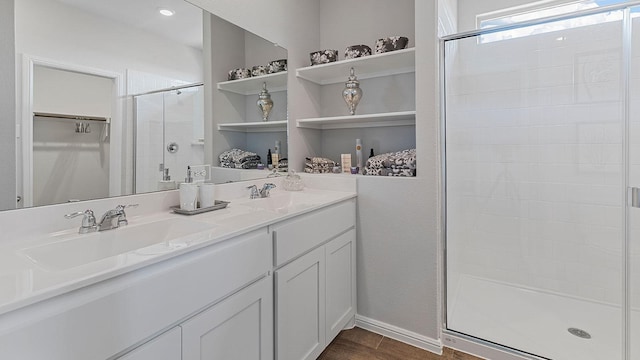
579 333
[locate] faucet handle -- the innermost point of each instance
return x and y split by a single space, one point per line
88 221
122 218
264 192
74 214
122 207
268 186
254 192
274 173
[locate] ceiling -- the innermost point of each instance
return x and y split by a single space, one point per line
185 26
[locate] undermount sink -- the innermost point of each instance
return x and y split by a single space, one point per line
143 239
286 201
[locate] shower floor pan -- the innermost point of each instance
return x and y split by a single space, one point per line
538 322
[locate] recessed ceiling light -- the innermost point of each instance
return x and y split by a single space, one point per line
166 12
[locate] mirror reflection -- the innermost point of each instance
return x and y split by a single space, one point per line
169 136
110 99
70 157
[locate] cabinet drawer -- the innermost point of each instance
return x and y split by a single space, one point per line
294 237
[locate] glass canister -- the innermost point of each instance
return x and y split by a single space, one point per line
293 182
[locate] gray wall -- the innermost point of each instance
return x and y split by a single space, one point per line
7 106
226 107
398 242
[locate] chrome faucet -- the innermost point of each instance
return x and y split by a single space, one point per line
88 221
262 193
114 218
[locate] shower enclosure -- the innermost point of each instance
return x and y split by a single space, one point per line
541 130
169 134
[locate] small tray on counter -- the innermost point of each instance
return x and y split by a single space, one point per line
219 204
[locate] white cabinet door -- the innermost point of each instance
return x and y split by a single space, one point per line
341 282
300 325
238 328
167 346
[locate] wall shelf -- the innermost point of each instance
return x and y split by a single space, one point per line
391 63
400 118
262 126
253 85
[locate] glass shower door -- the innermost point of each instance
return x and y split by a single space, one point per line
169 135
149 143
633 248
535 185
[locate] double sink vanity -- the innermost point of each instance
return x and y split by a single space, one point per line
265 278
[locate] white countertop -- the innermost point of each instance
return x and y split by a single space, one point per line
24 282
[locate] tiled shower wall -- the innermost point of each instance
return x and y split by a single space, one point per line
534 161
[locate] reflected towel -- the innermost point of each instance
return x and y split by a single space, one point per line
389 172
405 159
318 165
240 159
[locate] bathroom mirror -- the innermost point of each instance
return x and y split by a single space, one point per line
71 55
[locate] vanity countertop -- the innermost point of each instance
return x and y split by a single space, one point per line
25 280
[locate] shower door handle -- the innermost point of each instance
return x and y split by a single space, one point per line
635 197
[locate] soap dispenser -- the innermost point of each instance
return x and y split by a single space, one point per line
188 193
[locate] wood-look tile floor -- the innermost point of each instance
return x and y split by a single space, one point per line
359 344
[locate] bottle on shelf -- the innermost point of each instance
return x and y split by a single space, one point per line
371 153
359 154
269 160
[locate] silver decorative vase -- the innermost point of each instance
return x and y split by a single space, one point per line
352 92
265 104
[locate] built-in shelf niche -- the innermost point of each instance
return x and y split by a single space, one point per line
253 85
400 118
262 126
372 66
237 121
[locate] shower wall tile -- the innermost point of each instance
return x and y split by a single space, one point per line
535 164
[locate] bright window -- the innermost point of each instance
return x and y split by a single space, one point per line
543 9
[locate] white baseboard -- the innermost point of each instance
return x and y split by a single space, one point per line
402 335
